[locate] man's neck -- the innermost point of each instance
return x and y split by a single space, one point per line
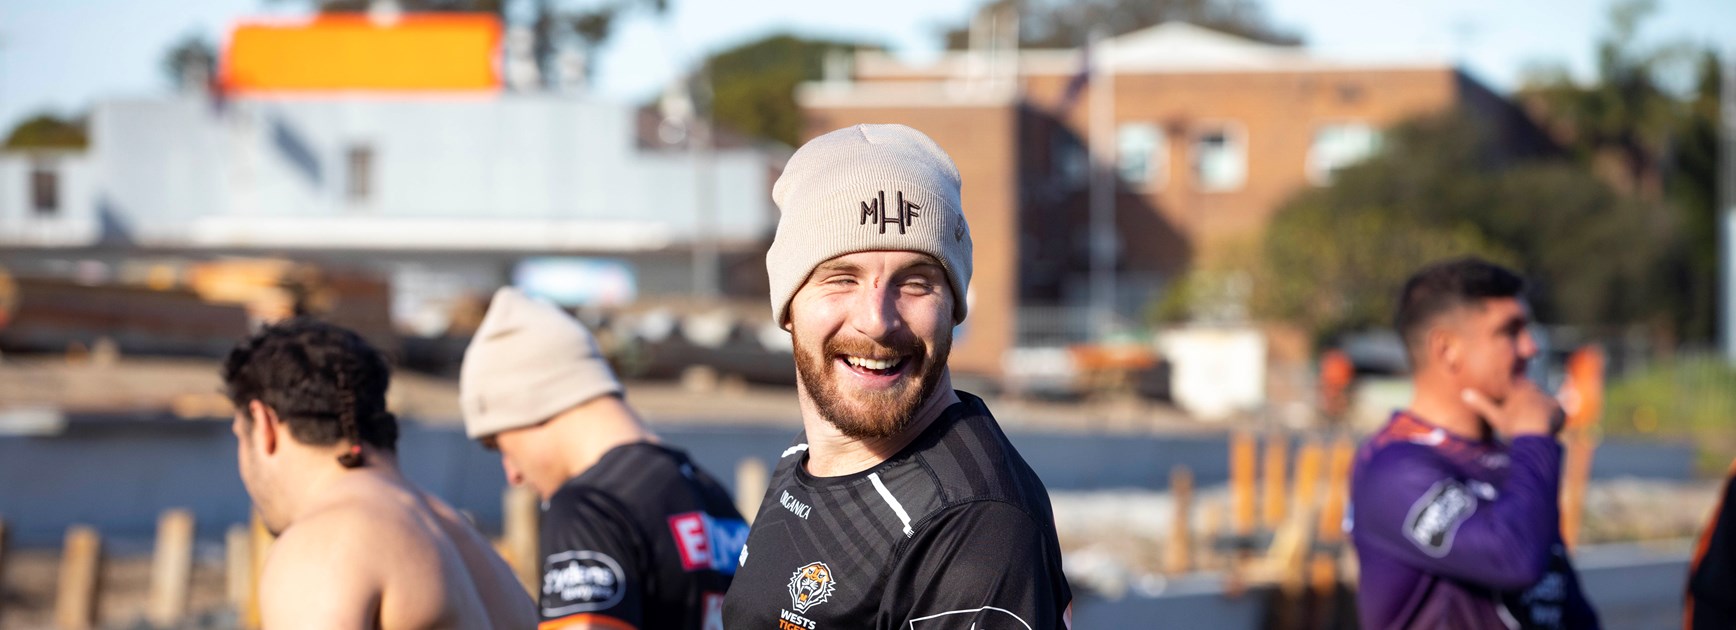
831 453
592 429
1438 402
326 474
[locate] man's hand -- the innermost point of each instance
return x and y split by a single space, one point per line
1528 410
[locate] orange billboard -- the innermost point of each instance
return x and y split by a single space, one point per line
441 52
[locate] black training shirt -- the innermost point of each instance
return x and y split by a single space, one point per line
954 531
642 539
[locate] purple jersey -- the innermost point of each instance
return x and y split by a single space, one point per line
1455 533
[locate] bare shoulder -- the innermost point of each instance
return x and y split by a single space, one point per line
321 573
347 535
507 603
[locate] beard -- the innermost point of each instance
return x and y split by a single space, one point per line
876 414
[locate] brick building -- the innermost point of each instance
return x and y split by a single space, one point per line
1211 134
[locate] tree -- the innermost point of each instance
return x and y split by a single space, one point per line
47 131
1068 23
754 84
1334 257
1648 125
193 58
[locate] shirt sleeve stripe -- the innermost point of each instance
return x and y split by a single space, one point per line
585 619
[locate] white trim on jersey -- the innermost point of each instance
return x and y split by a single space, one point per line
1009 613
897 508
793 450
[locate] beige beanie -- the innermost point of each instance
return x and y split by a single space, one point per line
867 188
528 362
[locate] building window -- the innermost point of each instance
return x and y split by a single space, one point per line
1069 160
1220 158
44 189
1142 155
359 180
1337 146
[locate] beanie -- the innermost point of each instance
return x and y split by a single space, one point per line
867 188
528 362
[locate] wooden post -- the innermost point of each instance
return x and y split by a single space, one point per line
238 565
1331 525
519 536
1178 554
1242 483
3 542
1576 474
172 568
1276 481
1323 568
80 568
1310 459
260 546
1212 523
750 487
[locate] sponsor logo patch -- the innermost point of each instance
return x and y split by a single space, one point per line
708 543
713 610
810 586
795 507
1435 517
580 581
791 621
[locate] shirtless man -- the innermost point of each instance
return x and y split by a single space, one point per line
358 545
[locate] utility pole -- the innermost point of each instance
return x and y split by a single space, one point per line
1101 135
1727 203
705 251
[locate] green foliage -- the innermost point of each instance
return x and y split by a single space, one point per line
192 52
1687 397
1330 268
754 84
1649 124
47 131
1334 257
1068 23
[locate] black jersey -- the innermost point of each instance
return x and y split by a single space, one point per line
642 539
954 531
1711 596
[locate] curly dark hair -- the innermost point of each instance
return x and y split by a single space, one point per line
324 381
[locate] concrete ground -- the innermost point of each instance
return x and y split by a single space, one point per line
191 388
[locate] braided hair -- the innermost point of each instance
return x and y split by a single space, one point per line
351 458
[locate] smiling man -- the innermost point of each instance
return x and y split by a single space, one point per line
1453 527
902 504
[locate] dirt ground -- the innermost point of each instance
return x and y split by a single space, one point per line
30 580
1113 543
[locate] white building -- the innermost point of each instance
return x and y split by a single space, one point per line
444 193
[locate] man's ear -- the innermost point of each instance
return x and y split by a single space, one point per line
1444 348
266 425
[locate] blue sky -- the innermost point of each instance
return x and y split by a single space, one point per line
62 55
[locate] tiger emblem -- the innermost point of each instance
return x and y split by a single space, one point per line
810 586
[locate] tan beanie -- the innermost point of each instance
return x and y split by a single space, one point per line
528 362
867 188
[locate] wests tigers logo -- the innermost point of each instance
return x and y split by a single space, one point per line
810 586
